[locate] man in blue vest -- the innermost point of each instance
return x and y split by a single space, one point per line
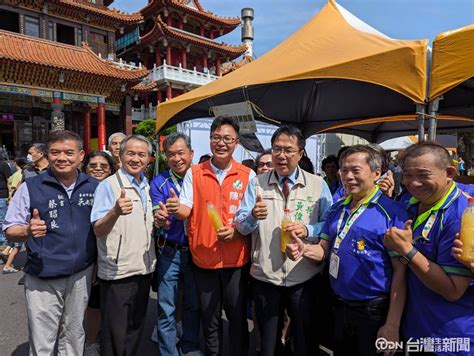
51 212
438 315
175 260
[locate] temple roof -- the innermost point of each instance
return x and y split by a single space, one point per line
82 11
161 29
101 10
144 87
41 52
226 23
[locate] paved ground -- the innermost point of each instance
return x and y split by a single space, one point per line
14 329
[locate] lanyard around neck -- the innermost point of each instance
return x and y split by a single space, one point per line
342 231
175 181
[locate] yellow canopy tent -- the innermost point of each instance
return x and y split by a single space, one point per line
334 70
451 87
453 60
452 78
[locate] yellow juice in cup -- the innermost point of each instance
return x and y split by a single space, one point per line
214 216
285 238
467 232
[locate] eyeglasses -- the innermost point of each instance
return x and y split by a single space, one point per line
268 164
103 166
286 152
227 139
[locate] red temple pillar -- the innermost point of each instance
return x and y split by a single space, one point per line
204 62
101 129
168 55
211 34
159 96
87 129
146 101
201 30
168 91
183 58
127 115
180 23
169 20
218 65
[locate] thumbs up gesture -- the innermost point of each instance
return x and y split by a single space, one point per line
172 203
161 216
260 211
37 227
399 240
295 249
123 205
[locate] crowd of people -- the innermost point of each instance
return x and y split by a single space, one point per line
369 262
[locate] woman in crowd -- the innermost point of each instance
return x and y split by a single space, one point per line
99 165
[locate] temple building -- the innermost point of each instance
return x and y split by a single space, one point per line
83 66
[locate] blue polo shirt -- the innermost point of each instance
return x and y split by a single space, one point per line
339 193
365 269
428 314
467 188
160 191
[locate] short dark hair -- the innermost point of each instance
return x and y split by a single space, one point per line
175 136
268 151
103 154
21 162
40 147
329 159
221 121
306 164
250 163
373 158
290 131
204 158
64 135
443 158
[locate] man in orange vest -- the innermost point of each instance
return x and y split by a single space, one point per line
220 254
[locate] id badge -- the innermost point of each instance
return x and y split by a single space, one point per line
334 265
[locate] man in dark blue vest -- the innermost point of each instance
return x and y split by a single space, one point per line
52 213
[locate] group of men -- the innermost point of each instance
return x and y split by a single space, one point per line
392 271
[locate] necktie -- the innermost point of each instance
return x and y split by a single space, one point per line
286 188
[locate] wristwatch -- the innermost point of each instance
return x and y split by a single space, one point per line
406 260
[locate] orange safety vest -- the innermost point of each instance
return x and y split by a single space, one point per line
207 251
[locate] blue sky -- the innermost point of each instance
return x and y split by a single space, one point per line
275 20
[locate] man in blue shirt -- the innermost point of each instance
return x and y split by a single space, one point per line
440 295
368 282
174 262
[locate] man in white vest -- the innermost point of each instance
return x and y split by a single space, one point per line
278 281
123 221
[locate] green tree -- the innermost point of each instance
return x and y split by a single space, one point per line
147 128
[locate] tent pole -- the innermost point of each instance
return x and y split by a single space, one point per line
157 156
420 110
432 110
